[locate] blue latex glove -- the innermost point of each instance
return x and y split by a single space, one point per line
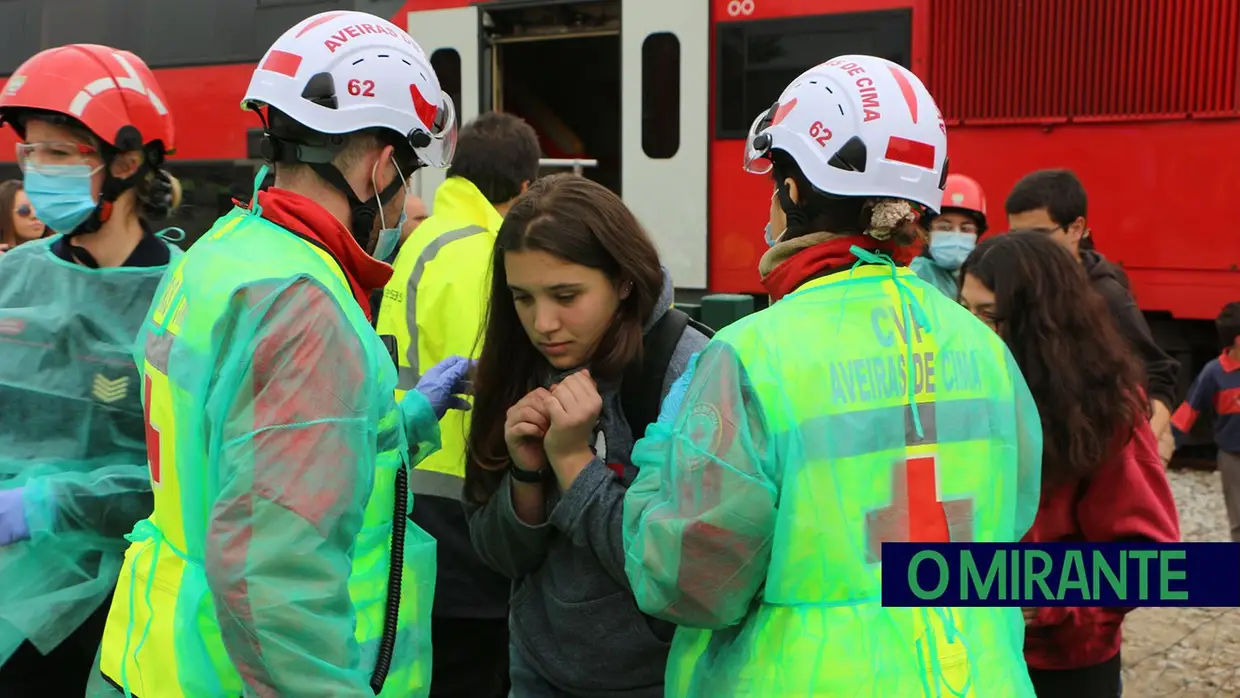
13 526
444 383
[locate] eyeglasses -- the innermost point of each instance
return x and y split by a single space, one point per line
24 211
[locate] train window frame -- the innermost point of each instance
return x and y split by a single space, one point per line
894 28
448 72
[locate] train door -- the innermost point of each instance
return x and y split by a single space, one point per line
451 39
665 48
557 65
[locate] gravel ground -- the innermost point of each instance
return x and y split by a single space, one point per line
1186 652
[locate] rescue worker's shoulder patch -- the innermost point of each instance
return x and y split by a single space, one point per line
704 427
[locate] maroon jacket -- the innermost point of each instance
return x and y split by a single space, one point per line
1127 499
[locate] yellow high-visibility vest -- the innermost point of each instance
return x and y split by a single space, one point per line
435 305
162 638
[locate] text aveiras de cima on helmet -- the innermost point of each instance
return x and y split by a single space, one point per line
354 31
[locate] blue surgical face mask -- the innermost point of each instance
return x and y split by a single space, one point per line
385 246
949 248
61 195
770 241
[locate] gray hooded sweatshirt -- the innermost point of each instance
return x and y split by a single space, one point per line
573 616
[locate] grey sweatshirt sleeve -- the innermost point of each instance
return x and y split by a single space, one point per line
504 542
591 514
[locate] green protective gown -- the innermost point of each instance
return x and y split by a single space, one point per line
786 458
71 434
265 568
929 271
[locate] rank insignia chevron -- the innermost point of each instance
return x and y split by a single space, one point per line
109 391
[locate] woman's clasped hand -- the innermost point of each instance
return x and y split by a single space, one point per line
553 427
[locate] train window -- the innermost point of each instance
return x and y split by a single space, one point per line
661 95
207 192
20 34
447 65
164 34
757 59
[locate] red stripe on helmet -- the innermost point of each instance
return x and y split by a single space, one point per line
424 109
282 62
909 152
317 22
906 89
782 111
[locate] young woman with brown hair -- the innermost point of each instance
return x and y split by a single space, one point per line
1102 478
18 222
578 304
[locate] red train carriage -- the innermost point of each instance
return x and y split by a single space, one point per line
1140 97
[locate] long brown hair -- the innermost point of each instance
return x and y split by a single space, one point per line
581 222
1086 381
8 197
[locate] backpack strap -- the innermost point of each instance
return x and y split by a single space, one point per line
641 392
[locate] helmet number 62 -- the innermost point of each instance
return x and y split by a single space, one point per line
361 88
819 133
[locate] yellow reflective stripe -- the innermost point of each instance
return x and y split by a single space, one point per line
173 287
408 375
437 483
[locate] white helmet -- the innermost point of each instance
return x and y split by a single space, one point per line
343 71
857 126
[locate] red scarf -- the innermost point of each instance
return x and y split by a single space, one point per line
306 218
823 258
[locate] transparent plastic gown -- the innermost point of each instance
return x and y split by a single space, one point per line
71 434
786 458
264 569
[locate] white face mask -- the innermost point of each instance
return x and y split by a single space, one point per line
388 238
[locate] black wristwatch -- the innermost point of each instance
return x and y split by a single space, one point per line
532 477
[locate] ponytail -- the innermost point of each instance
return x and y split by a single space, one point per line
159 194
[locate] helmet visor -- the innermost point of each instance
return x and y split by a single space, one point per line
443 136
758 145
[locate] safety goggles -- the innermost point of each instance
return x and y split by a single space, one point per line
56 154
939 225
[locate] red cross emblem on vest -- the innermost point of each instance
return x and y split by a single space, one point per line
916 514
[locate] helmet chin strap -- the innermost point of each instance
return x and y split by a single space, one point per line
111 190
794 214
363 212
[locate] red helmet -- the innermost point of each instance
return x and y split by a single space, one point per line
111 92
964 194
